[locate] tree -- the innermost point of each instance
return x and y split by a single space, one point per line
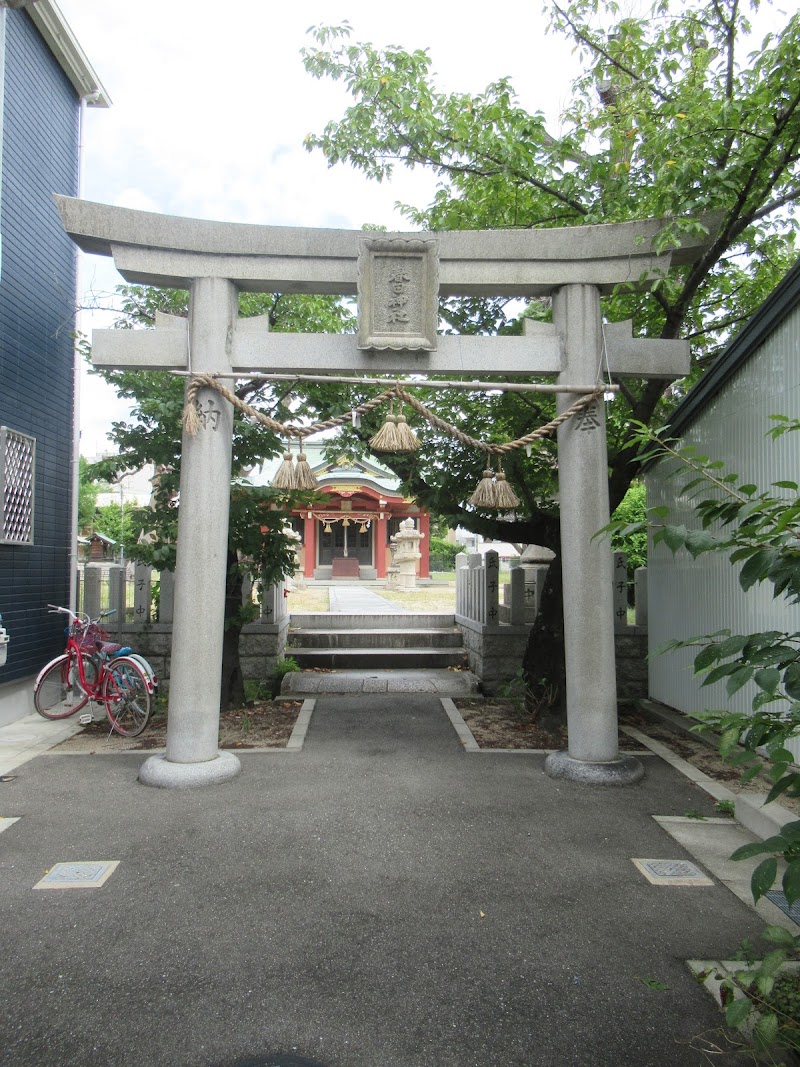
632 509
258 549
673 116
88 488
123 525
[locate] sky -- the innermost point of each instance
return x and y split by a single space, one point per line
211 105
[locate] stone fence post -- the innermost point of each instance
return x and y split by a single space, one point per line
142 592
640 591
116 595
91 589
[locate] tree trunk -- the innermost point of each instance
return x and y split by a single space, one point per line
232 690
543 663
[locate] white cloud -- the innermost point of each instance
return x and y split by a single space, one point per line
211 105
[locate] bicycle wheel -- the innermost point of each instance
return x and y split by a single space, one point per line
58 692
127 696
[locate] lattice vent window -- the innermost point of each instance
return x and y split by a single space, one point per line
17 464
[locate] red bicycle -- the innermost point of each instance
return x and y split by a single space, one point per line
95 668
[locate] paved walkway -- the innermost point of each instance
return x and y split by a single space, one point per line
356 600
382 898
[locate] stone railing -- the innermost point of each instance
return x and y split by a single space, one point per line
150 633
496 629
495 634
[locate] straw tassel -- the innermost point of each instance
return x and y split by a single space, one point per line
191 418
284 476
484 495
303 475
407 440
505 497
385 440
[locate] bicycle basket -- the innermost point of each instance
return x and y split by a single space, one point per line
88 637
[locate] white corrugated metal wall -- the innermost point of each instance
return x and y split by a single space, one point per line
689 597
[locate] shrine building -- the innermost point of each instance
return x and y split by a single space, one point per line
346 534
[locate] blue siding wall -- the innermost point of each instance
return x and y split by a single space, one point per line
37 286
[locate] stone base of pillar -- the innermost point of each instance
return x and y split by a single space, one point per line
163 773
626 770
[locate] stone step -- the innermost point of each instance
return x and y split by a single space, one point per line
442 682
370 658
323 620
433 637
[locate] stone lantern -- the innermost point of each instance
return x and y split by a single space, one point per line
406 554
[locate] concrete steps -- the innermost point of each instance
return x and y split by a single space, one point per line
374 639
397 641
327 620
441 682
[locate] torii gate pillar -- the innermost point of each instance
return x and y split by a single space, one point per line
593 754
193 756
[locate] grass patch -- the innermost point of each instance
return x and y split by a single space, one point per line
419 599
312 598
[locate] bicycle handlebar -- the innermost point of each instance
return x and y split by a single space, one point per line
81 617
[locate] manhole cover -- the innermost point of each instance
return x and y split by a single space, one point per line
82 875
779 898
672 872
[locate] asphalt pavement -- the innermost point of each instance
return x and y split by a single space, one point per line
381 898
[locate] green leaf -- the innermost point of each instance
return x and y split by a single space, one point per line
773 961
780 787
722 671
729 740
768 679
765 1031
653 983
757 568
756 848
778 936
763 878
738 1011
751 773
791 681
674 537
704 659
739 678
699 541
733 645
791 881
791 831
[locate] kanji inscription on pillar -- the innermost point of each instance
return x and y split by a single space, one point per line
588 418
398 294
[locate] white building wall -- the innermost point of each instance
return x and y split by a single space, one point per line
691 597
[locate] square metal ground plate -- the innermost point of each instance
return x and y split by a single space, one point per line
672 872
82 875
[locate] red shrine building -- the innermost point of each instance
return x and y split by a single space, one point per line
347 533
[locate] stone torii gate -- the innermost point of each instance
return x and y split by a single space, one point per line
398 279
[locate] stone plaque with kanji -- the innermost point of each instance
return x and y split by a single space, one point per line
398 294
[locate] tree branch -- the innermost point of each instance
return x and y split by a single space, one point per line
595 47
773 205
